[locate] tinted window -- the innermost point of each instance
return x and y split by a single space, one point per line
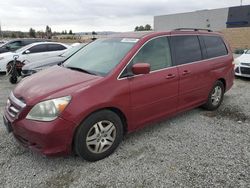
215 46
38 48
187 49
156 53
14 45
56 47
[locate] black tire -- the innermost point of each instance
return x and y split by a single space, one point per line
83 149
13 79
210 104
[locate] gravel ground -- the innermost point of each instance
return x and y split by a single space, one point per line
194 149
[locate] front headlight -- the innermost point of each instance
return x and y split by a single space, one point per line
48 110
236 62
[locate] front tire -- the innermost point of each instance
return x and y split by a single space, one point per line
13 79
98 136
215 97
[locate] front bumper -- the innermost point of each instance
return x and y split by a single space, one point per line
49 138
242 70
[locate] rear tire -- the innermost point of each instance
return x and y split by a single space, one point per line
98 136
215 97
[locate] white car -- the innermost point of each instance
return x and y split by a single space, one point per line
242 65
33 52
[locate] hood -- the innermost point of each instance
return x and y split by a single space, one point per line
3 50
53 82
5 54
244 58
43 63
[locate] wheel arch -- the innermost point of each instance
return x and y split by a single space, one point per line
224 83
113 109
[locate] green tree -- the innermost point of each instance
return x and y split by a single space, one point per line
48 32
70 32
147 27
32 33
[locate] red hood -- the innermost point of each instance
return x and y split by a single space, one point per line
54 80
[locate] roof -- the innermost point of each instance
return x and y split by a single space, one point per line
141 34
137 34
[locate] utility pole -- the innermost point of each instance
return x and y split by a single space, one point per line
1 34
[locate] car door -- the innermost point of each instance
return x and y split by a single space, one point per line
193 71
153 95
36 53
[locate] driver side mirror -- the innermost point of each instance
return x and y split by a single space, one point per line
141 68
26 52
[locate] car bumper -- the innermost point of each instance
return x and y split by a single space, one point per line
48 138
243 71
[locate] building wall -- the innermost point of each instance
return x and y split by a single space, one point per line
237 37
211 19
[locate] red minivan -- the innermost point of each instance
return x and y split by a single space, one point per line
116 85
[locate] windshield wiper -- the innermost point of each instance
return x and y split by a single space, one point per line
81 70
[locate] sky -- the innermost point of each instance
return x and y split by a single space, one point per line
95 15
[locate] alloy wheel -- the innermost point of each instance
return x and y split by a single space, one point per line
101 136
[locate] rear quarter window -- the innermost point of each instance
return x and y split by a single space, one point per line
56 47
215 46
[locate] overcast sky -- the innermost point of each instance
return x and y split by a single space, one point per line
95 15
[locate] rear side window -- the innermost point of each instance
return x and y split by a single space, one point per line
38 48
215 46
187 49
56 47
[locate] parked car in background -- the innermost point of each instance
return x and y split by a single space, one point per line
36 66
2 42
242 64
117 85
15 44
32 52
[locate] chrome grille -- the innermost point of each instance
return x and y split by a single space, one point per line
14 106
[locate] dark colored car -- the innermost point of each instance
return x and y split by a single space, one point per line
117 85
34 67
15 44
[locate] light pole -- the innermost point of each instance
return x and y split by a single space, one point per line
241 2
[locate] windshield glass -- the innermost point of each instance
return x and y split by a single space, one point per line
101 56
72 50
247 52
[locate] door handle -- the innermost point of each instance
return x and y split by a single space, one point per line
170 76
186 72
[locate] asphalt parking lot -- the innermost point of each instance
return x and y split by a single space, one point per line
195 149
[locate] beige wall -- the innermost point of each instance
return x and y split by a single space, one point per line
237 37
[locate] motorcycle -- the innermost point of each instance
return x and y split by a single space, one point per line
14 69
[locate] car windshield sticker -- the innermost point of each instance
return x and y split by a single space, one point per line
129 40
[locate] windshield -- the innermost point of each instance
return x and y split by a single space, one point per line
247 52
72 50
101 56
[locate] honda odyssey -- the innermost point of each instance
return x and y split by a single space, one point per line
117 85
